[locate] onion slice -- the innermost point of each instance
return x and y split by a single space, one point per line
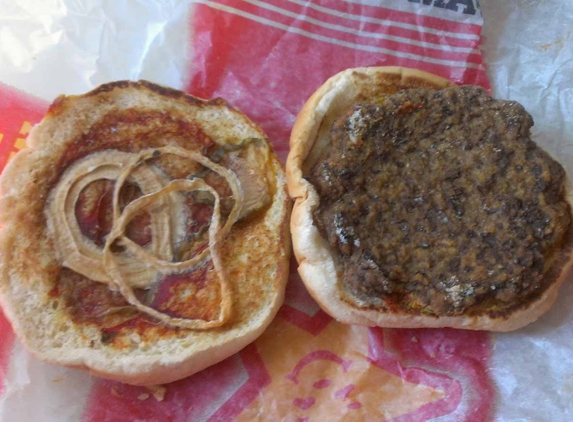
137 266
80 253
214 244
234 184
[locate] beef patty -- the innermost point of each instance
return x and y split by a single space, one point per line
439 202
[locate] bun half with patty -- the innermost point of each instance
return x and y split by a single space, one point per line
423 204
145 233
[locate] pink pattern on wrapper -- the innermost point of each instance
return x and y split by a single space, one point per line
304 404
354 405
314 356
217 393
324 383
461 354
343 393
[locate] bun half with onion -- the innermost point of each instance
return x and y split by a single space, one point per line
145 233
423 204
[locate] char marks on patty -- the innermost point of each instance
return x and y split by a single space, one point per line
440 202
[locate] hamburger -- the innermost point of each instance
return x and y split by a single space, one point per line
145 233
423 204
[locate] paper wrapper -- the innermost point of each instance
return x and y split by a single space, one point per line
266 58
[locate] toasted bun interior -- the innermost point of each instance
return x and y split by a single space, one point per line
254 255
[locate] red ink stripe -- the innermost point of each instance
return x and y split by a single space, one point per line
378 26
356 38
461 356
381 12
258 379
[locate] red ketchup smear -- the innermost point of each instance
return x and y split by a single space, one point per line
94 218
94 215
176 282
189 308
200 216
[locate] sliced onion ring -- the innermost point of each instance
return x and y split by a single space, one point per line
80 253
230 177
214 243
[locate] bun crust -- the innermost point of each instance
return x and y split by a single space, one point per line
315 257
255 254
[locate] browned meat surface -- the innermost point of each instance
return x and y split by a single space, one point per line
440 202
